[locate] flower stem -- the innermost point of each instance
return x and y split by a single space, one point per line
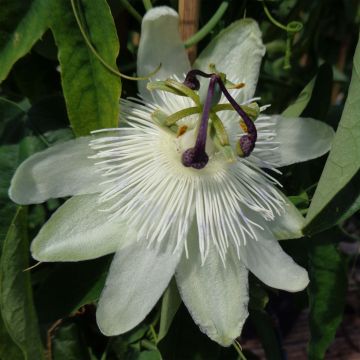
147 4
208 26
272 19
239 350
131 10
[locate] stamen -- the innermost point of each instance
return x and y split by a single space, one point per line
196 157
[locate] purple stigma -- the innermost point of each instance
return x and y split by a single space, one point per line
247 145
191 80
190 158
196 157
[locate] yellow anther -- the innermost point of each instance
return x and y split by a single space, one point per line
182 130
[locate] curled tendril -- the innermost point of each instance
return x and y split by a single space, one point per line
294 26
291 28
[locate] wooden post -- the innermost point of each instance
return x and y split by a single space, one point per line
189 11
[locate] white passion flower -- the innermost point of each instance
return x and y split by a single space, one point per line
183 187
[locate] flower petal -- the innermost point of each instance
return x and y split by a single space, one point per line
215 296
265 258
62 170
137 278
79 231
286 225
237 51
301 139
160 43
289 224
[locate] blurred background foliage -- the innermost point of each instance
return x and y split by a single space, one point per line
53 87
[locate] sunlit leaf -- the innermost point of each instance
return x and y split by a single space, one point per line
339 185
91 91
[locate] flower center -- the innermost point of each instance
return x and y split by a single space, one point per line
196 156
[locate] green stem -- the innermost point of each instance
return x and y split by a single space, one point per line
273 20
238 350
98 56
208 26
154 335
147 4
131 10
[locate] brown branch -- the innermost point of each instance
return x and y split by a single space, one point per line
189 22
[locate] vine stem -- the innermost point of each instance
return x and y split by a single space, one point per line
147 4
238 349
131 10
208 26
272 19
99 57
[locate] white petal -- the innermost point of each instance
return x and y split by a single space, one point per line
79 231
62 170
266 259
237 51
286 225
289 224
301 139
160 43
138 276
216 297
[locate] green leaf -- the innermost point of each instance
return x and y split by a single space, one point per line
259 297
8 349
22 23
16 304
185 340
306 102
68 343
319 103
8 162
327 290
91 91
149 355
170 304
70 286
339 185
263 324
266 331
296 108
